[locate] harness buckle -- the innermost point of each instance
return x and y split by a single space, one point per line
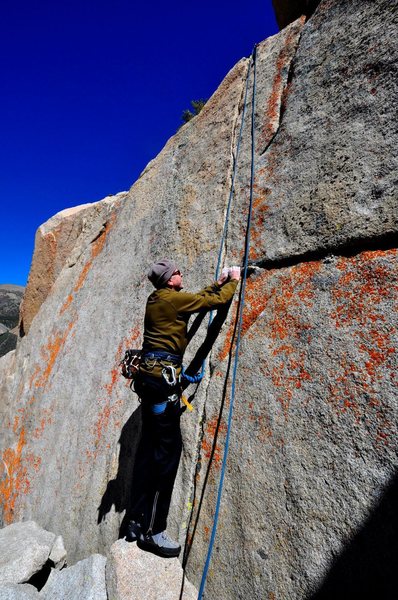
173 398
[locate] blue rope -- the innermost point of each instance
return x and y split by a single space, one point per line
194 378
238 339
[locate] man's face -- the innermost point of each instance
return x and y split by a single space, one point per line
175 280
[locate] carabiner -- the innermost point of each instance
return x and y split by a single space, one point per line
169 375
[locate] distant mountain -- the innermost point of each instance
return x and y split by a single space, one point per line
10 300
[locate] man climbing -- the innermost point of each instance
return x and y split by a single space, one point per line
167 314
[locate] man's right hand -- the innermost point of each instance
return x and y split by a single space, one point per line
234 273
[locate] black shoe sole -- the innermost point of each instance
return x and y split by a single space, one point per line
163 552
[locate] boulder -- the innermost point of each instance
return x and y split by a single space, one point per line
24 550
132 574
84 580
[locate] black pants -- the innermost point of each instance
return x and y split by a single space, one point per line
158 455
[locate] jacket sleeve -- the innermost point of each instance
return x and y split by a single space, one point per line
208 298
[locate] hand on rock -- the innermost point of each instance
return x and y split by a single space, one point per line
234 273
229 273
224 276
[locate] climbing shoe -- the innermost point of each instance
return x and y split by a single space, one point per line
159 544
134 531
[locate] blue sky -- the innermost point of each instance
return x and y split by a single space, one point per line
92 90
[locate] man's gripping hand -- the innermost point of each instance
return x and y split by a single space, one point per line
229 273
234 273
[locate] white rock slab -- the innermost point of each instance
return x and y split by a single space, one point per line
84 581
24 549
132 574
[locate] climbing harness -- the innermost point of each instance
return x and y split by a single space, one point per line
238 335
133 359
161 356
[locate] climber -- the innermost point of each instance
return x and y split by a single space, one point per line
167 314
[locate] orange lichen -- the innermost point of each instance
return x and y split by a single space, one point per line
96 248
46 419
295 288
66 304
34 376
228 339
208 451
15 482
49 354
366 283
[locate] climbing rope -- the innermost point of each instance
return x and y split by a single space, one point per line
238 337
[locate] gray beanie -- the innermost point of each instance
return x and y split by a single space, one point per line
161 271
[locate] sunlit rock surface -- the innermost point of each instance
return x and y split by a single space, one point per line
59 243
310 487
132 574
85 579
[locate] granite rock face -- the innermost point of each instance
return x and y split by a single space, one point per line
310 490
59 243
132 574
334 190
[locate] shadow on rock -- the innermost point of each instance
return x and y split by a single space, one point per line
119 490
367 567
211 336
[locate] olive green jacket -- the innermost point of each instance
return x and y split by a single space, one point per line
168 312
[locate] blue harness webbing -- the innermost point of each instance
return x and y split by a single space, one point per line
162 355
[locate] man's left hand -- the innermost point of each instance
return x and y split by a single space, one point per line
224 276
